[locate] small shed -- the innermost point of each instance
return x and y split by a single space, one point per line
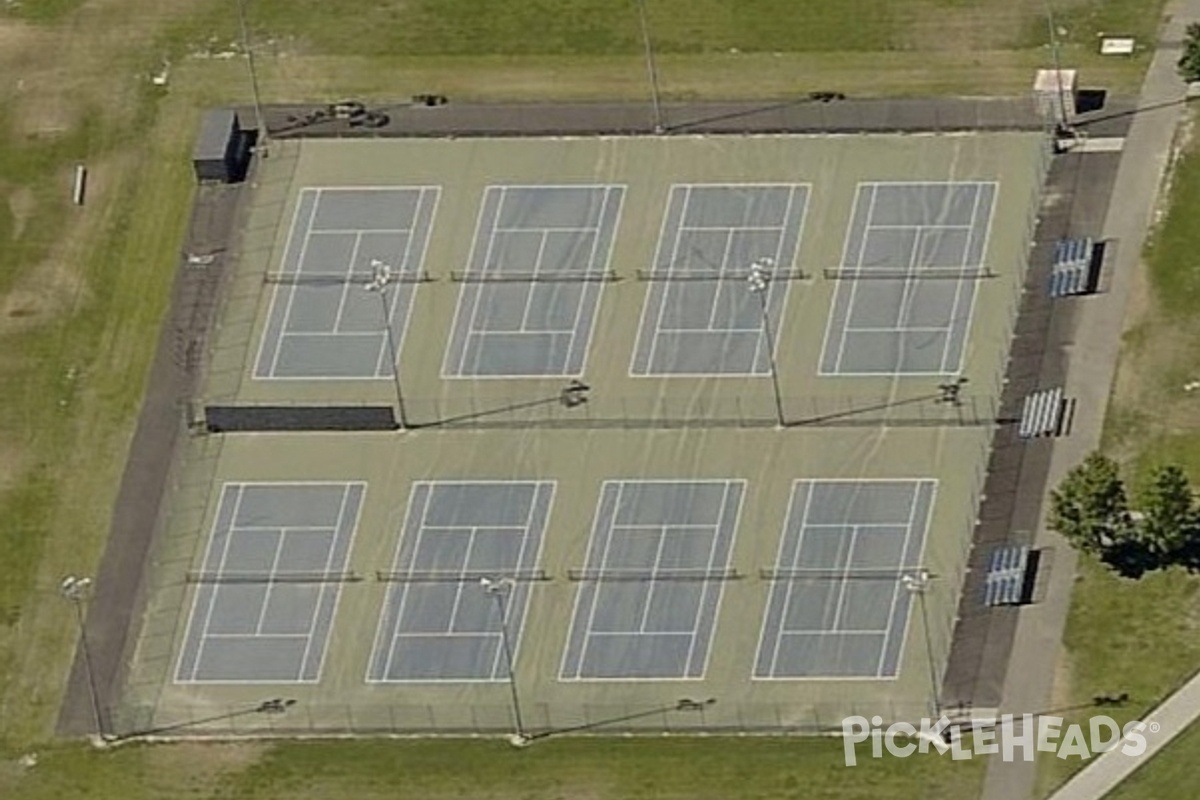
1054 91
222 150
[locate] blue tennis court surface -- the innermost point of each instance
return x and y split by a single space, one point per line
438 623
916 250
838 607
530 291
645 608
700 317
323 323
264 611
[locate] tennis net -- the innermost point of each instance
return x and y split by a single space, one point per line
462 576
341 278
235 576
930 273
475 276
637 575
799 574
716 275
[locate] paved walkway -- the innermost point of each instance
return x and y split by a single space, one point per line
1097 779
1093 356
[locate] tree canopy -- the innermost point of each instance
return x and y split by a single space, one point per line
1090 508
1189 61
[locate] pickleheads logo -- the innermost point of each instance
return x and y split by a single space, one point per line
1012 737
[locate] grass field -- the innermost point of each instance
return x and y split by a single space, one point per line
1143 637
82 293
601 769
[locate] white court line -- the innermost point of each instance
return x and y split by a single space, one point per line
212 598
738 229
449 369
983 256
899 586
462 570
291 290
958 288
862 246
585 338
403 589
333 546
655 569
762 630
484 269
647 302
484 635
407 267
789 585
253 528
529 288
360 231
384 637
349 284
707 585
920 225
932 483
523 591
587 631
262 609
779 259
288 245
882 329
721 285
260 637
665 286
906 294
547 229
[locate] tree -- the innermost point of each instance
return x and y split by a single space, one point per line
1189 63
1169 512
1090 508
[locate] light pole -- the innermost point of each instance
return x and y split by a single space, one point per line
651 69
1058 74
75 589
259 119
917 583
757 281
499 589
381 278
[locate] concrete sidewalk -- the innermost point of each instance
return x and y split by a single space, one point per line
1092 356
1165 722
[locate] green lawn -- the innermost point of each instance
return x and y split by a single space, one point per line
568 769
1170 775
1143 636
71 379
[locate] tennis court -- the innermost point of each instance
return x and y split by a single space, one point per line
440 623
838 606
660 536
532 285
913 257
700 317
324 323
269 584
648 599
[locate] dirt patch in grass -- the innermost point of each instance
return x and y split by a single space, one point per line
21 205
50 289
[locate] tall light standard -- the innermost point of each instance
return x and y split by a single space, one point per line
259 119
499 589
651 68
381 278
1058 73
75 589
757 281
918 583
